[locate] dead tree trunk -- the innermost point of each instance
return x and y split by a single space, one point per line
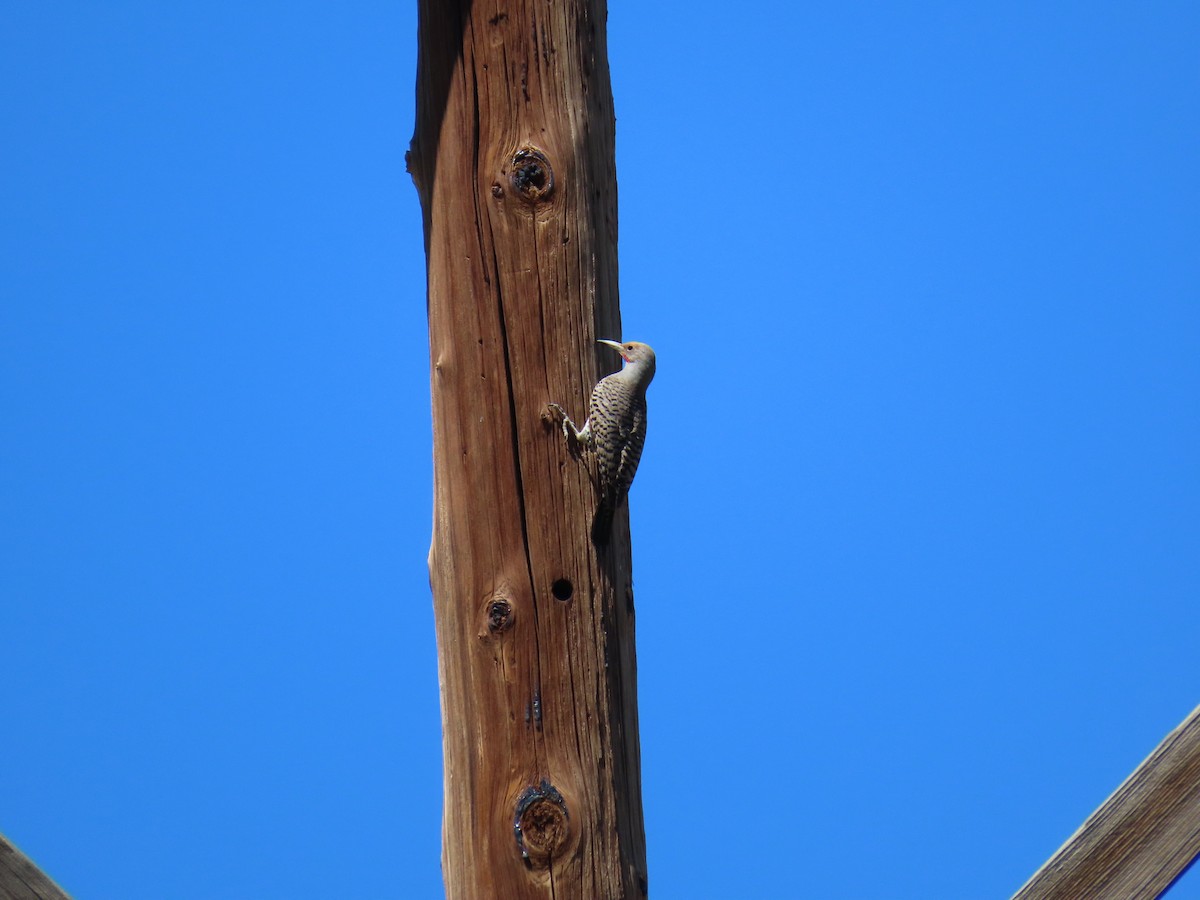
513 160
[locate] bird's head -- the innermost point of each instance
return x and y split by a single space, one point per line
635 353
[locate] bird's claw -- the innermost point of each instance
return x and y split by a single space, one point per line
556 415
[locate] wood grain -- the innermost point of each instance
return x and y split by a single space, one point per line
1141 838
513 158
20 879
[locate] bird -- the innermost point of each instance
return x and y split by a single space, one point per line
615 430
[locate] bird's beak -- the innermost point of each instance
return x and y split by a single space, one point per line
614 345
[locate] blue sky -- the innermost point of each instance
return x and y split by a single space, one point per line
915 533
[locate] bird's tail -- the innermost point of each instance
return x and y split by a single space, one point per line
603 521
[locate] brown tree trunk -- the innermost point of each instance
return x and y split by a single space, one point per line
513 160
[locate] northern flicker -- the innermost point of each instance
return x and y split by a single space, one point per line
615 430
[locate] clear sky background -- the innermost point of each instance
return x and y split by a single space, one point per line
916 533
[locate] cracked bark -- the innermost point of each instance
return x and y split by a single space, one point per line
513 161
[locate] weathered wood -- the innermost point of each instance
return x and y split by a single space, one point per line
1141 838
513 159
20 879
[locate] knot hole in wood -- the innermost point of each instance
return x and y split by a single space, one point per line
499 615
532 177
541 825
